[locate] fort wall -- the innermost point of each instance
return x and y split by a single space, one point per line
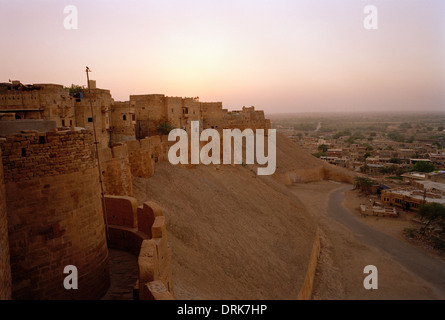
116 171
142 231
141 158
54 214
52 206
123 121
150 113
5 269
101 102
308 284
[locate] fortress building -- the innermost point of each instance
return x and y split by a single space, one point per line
52 210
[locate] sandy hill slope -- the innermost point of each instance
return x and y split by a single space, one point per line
297 165
233 234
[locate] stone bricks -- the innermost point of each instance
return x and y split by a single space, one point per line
148 241
54 216
25 156
155 290
116 171
5 270
121 211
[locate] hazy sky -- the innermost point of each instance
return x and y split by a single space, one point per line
281 56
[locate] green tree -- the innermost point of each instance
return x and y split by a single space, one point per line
323 147
319 154
165 128
75 89
364 183
431 212
423 166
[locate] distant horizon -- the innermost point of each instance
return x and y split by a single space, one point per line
285 56
256 107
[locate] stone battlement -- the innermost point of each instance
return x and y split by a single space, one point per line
29 155
142 231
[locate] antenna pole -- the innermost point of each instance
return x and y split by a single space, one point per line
104 208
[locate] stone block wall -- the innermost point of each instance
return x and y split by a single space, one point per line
5 269
150 113
31 155
143 232
123 121
54 214
308 284
116 172
160 146
141 158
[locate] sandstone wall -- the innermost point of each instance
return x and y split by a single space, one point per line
54 215
5 270
150 113
142 231
141 158
308 284
332 172
102 102
160 146
123 121
39 101
173 106
116 172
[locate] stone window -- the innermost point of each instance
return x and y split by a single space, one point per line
124 117
23 152
90 119
63 122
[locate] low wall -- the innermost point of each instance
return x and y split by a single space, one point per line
327 172
308 284
332 172
142 231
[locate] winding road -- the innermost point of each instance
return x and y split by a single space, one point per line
420 263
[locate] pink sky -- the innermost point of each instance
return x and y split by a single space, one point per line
281 56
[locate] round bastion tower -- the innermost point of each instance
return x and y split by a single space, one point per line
54 214
5 270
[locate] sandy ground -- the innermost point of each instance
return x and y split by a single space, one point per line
340 269
233 234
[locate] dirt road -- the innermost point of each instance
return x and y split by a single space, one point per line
345 253
420 263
